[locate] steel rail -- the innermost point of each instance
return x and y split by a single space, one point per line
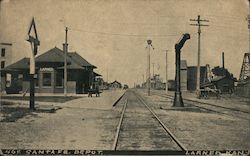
118 128
205 103
197 102
163 125
118 99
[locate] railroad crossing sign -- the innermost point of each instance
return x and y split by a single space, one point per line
32 39
34 42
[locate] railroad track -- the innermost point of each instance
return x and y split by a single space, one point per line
139 128
212 107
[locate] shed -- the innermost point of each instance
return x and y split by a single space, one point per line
115 85
224 83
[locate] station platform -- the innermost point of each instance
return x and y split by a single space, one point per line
80 123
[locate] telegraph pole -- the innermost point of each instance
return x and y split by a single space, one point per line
198 20
107 75
142 78
65 45
248 19
153 69
166 72
148 71
223 60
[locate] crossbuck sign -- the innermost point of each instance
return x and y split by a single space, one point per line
34 42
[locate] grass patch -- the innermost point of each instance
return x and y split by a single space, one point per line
57 99
12 113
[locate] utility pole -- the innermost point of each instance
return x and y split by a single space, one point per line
148 71
65 47
107 75
142 78
166 72
223 60
248 19
153 69
198 20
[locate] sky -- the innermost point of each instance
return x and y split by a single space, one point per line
112 34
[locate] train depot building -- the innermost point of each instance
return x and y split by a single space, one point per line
49 77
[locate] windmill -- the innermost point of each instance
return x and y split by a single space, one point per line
245 68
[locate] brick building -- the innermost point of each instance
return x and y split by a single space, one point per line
5 59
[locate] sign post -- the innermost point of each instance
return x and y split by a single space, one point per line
34 42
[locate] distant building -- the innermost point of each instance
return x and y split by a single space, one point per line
50 73
220 79
5 59
192 76
6 54
183 75
156 82
224 83
115 85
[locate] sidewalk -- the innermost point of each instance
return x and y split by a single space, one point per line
105 101
57 99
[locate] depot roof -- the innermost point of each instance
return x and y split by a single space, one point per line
80 60
21 64
54 55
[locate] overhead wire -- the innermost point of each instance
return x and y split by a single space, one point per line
119 34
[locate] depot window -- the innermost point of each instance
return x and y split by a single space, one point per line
59 79
3 52
47 80
2 64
